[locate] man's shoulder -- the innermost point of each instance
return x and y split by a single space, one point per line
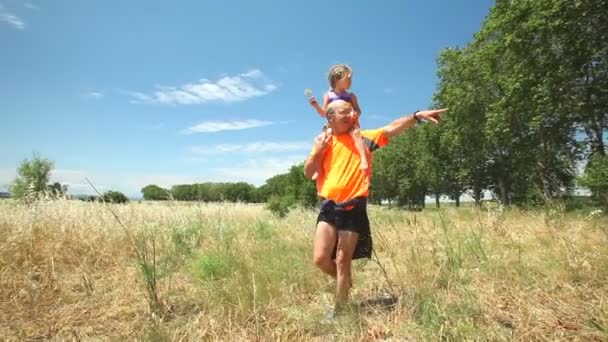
375 138
375 132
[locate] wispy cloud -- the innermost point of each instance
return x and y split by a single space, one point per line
388 90
253 147
256 171
241 87
31 6
11 19
94 94
218 126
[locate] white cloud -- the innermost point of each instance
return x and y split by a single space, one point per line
253 147
241 87
11 19
257 171
218 126
95 94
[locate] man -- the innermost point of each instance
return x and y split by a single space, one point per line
343 231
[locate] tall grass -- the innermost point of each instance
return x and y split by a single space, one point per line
237 272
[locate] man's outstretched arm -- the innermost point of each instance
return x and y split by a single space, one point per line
401 124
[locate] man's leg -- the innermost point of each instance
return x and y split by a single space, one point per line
325 241
347 241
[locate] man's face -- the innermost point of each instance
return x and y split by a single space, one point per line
341 119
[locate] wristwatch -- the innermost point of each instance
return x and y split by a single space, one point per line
416 117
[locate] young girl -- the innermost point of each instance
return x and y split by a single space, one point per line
340 79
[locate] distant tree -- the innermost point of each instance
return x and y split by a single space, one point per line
32 180
57 190
239 192
596 179
89 198
300 188
280 205
155 193
115 197
184 192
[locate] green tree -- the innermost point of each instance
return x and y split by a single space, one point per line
115 197
32 179
397 173
596 179
184 192
519 92
57 190
239 192
155 193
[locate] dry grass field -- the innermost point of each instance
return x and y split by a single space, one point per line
188 272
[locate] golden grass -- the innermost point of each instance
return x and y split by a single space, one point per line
235 272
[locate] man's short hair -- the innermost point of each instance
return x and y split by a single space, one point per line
331 107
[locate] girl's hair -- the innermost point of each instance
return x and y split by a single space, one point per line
338 72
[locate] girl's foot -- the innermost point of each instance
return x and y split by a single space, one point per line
364 167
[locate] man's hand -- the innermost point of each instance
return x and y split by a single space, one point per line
313 162
432 115
322 140
401 124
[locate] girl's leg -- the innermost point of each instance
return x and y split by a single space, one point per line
356 134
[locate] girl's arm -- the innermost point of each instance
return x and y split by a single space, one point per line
320 110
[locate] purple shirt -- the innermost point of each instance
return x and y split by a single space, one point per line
332 96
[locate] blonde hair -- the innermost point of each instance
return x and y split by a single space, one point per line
338 72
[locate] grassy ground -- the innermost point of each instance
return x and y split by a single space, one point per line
68 270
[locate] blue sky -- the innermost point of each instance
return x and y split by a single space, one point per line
129 93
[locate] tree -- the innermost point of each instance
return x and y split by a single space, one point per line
533 76
155 193
57 190
115 197
285 191
184 192
239 192
397 173
32 180
596 179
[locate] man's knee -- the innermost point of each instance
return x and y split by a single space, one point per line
346 248
320 259
343 259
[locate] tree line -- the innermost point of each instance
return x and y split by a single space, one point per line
282 192
528 99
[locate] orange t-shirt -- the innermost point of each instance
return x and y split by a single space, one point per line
340 178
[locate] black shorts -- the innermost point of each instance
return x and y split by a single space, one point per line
349 216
